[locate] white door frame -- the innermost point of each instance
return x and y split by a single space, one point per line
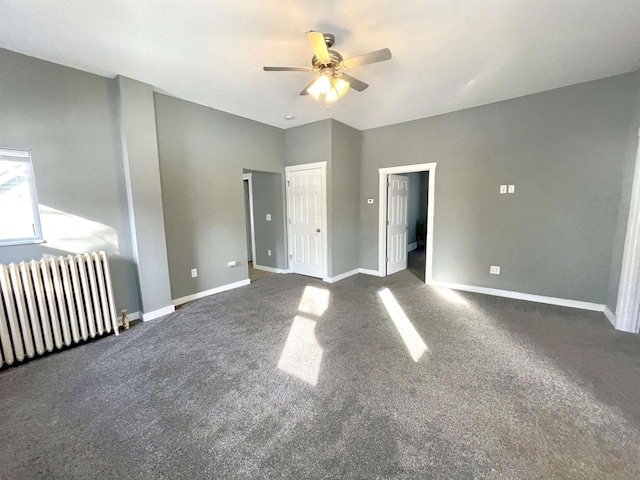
382 214
323 199
249 177
627 317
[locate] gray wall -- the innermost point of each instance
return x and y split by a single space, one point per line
142 177
202 155
563 149
268 198
69 120
625 196
346 147
308 143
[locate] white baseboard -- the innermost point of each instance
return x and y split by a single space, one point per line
342 276
270 269
610 315
412 246
206 293
350 273
161 312
563 302
368 271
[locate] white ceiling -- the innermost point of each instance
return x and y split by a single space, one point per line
447 54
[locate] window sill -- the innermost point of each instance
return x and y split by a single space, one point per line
21 242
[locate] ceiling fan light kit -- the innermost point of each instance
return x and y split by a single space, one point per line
332 83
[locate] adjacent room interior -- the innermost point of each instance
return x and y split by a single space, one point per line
298 240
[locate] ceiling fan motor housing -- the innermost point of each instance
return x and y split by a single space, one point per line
335 57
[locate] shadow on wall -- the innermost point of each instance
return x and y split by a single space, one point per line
67 234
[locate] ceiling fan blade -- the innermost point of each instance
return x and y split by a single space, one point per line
354 83
367 58
304 92
287 69
316 39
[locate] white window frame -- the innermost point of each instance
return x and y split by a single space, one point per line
25 156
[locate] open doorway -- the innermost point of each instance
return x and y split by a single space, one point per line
406 220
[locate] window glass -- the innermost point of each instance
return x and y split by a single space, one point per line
19 217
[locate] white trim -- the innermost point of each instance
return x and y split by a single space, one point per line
305 166
628 307
161 312
412 246
368 271
270 269
213 291
342 276
350 273
249 178
563 302
323 190
382 214
610 315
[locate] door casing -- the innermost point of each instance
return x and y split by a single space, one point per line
382 214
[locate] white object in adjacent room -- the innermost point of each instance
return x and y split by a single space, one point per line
307 219
397 219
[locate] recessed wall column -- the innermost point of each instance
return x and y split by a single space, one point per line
144 196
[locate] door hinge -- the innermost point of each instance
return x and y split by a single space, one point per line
290 257
289 221
288 183
387 222
386 259
387 183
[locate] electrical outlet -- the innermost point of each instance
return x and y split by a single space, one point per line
512 188
269 252
503 189
494 270
268 217
194 272
232 264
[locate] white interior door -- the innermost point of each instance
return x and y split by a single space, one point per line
397 223
305 209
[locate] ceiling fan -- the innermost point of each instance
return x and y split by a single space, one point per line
332 82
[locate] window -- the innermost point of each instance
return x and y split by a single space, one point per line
19 217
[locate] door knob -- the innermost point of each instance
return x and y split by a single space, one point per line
318 230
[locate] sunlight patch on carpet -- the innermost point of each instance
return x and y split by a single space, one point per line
409 334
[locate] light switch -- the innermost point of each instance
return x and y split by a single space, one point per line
494 270
503 189
268 217
512 188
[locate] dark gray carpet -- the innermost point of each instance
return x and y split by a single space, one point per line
507 389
